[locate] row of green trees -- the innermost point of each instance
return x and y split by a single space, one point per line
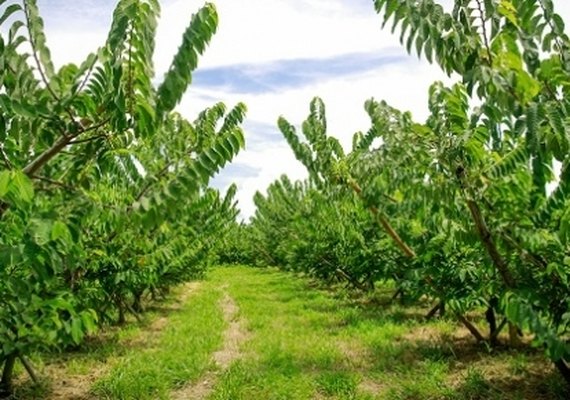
104 200
470 207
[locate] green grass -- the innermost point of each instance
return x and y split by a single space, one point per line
308 343
182 353
303 342
79 368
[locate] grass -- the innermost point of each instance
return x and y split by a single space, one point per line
79 367
182 354
302 341
310 343
145 360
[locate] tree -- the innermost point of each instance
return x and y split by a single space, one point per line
463 197
103 187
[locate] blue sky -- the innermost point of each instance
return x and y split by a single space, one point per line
286 74
275 56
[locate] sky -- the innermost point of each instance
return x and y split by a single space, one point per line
275 56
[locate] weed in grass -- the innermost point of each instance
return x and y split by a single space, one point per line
475 385
339 383
33 391
518 364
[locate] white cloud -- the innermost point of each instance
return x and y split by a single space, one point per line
404 86
275 160
264 30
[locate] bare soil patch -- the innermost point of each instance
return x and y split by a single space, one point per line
371 387
234 336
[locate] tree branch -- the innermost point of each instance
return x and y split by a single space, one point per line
104 135
484 28
485 234
407 250
149 184
470 327
52 182
36 59
5 157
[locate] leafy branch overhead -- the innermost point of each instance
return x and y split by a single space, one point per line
103 187
470 209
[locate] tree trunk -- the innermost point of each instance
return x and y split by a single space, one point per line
439 307
514 337
7 374
29 368
471 328
350 280
564 369
495 335
492 250
407 250
492 321
489 243
137 303
399 293
122 318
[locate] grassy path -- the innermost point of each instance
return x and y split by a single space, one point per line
307 343
182 353
233 337
248 334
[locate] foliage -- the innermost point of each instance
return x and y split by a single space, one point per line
103 187
471 210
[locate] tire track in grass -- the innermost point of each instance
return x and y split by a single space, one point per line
234 336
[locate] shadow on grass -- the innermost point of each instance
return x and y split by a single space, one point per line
530 385
288 377
94 354
353 311
474 370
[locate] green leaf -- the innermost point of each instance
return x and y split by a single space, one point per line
5 178
202 27
21 188
8 11
76 330
508 10
41 231
60 231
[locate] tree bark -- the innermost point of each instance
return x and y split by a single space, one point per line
492 321
122 318
497 332
471 328
350 279
137 302
399 293
407 250
438 307
490 245
28 366
564 369
7 374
